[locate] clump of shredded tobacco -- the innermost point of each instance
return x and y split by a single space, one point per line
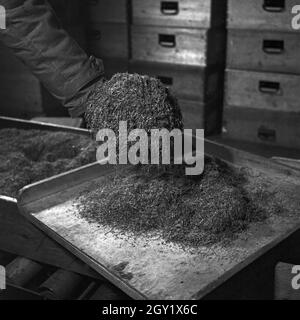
187 210
27 156
142 101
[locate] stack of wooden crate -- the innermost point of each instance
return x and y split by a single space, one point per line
263 76
108 34
182 43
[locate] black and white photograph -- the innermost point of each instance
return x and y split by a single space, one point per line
149 154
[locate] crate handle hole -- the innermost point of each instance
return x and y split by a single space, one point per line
167 40
274 5
266 134
273 46
169 8
269 87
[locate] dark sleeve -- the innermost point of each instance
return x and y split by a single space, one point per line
35 35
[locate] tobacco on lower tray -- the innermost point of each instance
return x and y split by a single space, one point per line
189 211
28 156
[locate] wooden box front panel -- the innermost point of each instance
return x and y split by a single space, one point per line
263 91
263 51
198 47
180 13
262 126
261 14
186 82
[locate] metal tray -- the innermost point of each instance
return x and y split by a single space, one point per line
149 268
7 122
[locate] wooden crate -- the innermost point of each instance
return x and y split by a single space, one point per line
193 83
263 91
180 13
261 14
108 40
199 115
104 11
199 47
263 51
277 128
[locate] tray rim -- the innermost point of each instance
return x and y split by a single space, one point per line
6 122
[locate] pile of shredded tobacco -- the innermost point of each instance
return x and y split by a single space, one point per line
27 156
190 211
141 100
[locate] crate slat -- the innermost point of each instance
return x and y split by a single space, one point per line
263 51
185 46
180 13
261 14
